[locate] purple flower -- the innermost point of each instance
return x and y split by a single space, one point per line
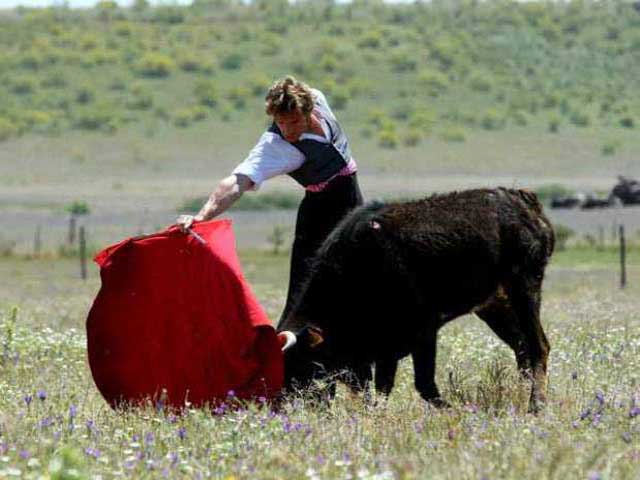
159 406
24 454
42 395
262 399
92 452
585 413
634 412
182 432
575 424
129 464
600 397
173 457
149 437
90 426
46 422
451 434
594 476
320 459
135 437
231 393
28 399
172 418
73 411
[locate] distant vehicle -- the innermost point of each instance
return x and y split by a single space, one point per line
627 190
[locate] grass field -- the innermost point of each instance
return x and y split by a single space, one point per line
54 422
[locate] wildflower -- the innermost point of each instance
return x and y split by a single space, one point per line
575 424
451 434
173 458
73 411
600 397
92 452
585 413
320 459
24 454
28 399
4 448
46 422
42 395
262 399
182 432
90 426
231 393
172 418
594 476
634 412
148 438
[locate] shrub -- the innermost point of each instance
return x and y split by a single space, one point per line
403 62
238 96
412 138
339 98
627 122
520 117
553 124
553 190
610 147
168 14
422 120
189 62
140 98
481 82
259 84
275 200
371 39
55 79
7 129
78 207
563 234
23 86
492 120
580 119
233 61
433 81
328 63
85 95
206 93
97 117
388 138
183 118
155 65
453 134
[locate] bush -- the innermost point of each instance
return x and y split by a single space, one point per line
520 118
206 93
412 138
371 39
553 190
23 86
140 98
422 120
7 129
155 65
433 81
97 117
55 79
553 124
238 96
610 147
186 116
481 82
492 120
627 122
563 234
259 84
275 200
403 62
453 134
339 99
388 139
78 207
85 95
233 61
580 119
189 62
169 14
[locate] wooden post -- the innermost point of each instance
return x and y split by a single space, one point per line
37 242
623 258
83 254
72 229
601 237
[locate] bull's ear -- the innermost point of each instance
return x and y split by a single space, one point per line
315 337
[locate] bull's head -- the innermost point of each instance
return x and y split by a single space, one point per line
305 358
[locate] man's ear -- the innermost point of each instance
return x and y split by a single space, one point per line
315 337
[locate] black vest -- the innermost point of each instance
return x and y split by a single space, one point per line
322 160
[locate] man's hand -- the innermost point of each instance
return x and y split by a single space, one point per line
185 221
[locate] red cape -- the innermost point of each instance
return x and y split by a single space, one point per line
176 321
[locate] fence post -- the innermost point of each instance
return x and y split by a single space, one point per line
83 254
623 259
72 230
37 242
601 237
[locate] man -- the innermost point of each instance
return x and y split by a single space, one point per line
306 142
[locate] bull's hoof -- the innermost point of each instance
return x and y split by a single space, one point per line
536 405
438 403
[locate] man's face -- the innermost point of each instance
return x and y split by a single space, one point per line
292 124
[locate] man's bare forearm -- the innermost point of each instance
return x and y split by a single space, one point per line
228 191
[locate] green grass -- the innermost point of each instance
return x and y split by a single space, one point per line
589 428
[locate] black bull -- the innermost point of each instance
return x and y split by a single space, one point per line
390 275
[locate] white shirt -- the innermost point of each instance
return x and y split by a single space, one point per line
273 155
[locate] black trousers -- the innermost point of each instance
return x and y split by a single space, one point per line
318 214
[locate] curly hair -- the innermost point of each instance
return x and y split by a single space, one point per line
287 95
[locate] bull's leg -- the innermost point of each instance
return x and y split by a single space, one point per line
385 376
499 316
424 368
524 294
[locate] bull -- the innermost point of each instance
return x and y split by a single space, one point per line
390 275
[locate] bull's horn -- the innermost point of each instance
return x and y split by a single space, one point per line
287 340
